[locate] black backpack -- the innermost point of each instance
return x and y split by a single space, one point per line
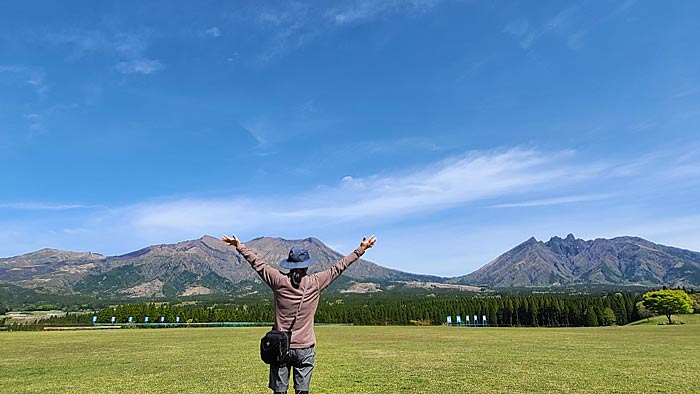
274 346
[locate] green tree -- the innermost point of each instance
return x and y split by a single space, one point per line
696 302
643 312
668 302
608 317
591 318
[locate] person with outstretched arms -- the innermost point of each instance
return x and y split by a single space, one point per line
296 296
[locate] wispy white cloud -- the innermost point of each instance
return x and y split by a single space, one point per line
139 66
451 182
455 181
679 231
34 77
527 33
36 124
11 68
523 32
686 92
80 42
259 131
471 181
295 25
554 201
131 47
401 145
214 32
277 126
36 80
448 183
361 11
256 131
627 4
287 29
43 206
685 167
561 20
37 121
673 164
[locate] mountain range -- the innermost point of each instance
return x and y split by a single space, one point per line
571 261
202 266
207 265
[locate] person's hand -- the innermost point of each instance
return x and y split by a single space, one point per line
233 241
368 243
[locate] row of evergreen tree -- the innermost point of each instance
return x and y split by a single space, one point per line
508 311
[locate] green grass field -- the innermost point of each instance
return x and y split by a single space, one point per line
638 359
677 319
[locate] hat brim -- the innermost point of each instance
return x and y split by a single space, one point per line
290 265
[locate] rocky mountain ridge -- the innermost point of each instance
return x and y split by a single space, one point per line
571 261
207 265
202 266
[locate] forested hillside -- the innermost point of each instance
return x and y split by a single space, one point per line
511 310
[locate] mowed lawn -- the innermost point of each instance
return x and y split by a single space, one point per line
639 359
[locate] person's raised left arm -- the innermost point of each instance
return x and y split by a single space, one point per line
325 278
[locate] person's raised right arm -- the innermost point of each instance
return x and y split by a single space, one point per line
268 274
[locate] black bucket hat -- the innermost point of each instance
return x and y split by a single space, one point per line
298 258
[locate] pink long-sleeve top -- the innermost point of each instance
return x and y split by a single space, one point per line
287 297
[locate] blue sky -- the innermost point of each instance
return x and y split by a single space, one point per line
453 130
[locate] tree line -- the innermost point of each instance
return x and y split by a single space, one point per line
508 311
505 310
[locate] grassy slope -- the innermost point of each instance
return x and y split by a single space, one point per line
677 319
640 359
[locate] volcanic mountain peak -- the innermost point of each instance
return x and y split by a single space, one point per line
206 264
620 261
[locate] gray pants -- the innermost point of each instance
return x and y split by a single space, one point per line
302 361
